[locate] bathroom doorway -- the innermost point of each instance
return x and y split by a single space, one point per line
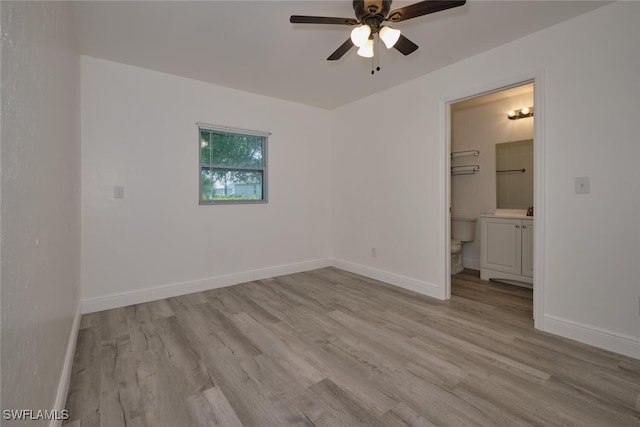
491 150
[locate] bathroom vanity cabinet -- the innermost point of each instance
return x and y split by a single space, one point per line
506 249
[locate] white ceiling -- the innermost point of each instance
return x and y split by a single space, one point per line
251 46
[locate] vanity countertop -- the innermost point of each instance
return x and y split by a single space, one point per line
507 215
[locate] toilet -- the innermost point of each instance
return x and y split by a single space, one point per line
463 230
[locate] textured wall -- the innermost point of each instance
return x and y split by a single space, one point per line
40 205
139 131
591 242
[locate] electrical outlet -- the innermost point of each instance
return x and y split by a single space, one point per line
374 252
118 192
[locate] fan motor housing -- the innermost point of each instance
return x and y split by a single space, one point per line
371 12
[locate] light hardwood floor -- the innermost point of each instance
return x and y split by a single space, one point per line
330 348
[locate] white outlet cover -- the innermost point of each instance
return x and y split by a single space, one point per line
582 185
118 192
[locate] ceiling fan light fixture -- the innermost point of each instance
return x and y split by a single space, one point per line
360 35
389 36
370 15
366 51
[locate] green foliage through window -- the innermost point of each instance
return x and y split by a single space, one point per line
232 167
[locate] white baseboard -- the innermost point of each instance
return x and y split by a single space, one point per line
419 286
65 377
608 340
124 299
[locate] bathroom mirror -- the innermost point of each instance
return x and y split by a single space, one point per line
514 174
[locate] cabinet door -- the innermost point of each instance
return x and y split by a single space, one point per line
527 248
501 245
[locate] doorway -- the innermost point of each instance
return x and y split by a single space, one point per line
471 183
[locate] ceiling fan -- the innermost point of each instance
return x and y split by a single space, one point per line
371 14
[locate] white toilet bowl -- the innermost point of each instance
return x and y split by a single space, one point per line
463 230
456 256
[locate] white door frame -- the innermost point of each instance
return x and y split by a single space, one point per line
536 77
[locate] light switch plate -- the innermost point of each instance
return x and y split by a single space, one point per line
582 185
118 192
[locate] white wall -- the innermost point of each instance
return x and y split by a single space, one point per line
481 127
40 210
591 242
139 131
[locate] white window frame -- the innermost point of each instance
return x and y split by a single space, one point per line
263 169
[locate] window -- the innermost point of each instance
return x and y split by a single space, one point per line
233 166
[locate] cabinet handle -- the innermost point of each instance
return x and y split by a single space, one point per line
517 226
524 226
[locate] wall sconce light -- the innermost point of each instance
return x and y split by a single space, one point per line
520 114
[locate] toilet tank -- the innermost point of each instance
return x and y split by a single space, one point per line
463 228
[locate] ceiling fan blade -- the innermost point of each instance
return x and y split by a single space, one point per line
422 8
344 48
299 19
405 46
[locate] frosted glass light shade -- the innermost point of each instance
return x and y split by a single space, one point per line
360 35
525 111
389 36
366 51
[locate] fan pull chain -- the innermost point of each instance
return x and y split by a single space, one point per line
377 48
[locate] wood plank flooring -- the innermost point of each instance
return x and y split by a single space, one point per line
331 348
